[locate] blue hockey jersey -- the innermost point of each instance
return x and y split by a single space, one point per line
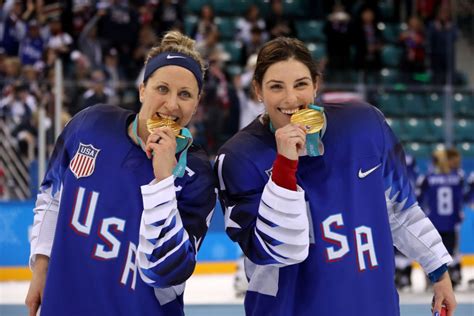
98 181
441 196
357 202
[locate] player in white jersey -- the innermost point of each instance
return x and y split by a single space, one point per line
124 207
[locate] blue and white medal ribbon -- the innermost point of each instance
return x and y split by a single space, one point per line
182 146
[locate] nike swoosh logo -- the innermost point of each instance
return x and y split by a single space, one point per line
174 56
363 174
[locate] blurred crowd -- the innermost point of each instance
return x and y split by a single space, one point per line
103 44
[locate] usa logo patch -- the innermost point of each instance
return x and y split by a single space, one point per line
83 163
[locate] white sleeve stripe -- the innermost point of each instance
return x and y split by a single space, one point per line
296 257
170 234
158 193
150 231
144 263
281 219
159 212
220 162
282 199
415 236
287 209
44 224
283 235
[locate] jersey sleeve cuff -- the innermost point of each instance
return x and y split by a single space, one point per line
157 193
284 172
436 274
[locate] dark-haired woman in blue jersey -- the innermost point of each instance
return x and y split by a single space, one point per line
317 195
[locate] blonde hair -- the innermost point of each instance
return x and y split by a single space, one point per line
174 41
440 161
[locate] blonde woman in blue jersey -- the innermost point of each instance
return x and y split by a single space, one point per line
317 205
441 196
124 206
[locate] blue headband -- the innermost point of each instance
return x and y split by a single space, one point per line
176 59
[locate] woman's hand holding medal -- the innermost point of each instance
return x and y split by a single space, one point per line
290 139
161 147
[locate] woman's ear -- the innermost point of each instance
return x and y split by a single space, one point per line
316 87
141 92
257 90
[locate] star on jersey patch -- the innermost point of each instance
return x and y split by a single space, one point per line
83 163
269 172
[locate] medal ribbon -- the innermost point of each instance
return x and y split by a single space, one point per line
314 145
182 146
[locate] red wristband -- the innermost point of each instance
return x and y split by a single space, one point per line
284 172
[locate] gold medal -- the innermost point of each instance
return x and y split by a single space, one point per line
155 123
312 120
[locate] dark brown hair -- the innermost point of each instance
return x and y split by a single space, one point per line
452 153
281 49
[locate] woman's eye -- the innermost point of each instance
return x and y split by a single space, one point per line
275 87
162 89
185 94
301 84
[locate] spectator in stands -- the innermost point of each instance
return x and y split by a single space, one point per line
12 69
79 73
368 42
216 103
97 93
113 71
211 46
426 9
441 196
3 57
89 43
82 13
168 15
31 76
146 39
250 20
32 45
252 47
18 105
403 9
59 41
442 36
13 28
118 28
205 24
278 23
414 42
249 106
338 45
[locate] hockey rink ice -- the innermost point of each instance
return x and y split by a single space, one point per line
213 295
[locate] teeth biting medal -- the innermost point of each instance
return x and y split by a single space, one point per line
155 123
312 120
